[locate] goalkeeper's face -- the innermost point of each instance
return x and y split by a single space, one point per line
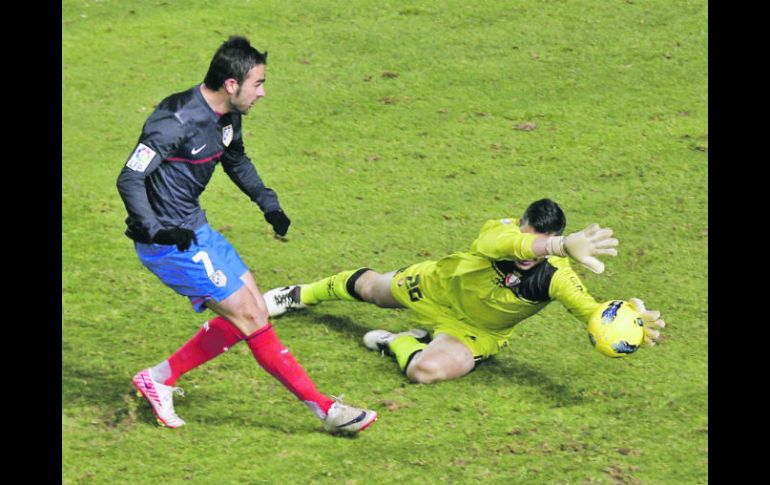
526 264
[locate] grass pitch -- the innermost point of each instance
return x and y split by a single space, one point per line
391 131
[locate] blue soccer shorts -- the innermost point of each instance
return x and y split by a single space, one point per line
208 270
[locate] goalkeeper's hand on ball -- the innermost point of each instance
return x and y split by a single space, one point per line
583 246
652 321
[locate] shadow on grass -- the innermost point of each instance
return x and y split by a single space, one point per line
339 324
109 400
523 374
102 390
512 371
110 394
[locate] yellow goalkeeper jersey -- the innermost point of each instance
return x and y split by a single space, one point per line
482 287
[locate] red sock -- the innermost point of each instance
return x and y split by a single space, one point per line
216 336
278 361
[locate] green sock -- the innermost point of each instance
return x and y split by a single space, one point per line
404 347
332 288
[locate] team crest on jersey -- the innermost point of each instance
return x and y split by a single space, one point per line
511 280
227 135
141 158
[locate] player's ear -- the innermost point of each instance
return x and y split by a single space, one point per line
231 85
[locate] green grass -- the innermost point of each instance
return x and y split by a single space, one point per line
391 132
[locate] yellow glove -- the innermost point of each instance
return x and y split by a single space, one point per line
584 246
652 321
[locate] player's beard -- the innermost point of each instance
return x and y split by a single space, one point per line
236 104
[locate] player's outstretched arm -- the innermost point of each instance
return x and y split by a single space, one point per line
583 246
652 321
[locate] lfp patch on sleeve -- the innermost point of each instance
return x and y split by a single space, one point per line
141 158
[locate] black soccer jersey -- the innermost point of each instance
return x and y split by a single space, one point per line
181 143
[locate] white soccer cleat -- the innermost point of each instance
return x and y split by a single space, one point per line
281 300
380 339
342 418
160 397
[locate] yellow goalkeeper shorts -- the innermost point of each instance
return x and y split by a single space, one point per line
411 286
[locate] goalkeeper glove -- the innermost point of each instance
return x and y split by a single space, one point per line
652 321
177 236
279 221
584 245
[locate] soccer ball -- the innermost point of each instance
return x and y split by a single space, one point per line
616 329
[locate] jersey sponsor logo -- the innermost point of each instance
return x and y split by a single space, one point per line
141 158
196 151
506 221
227 135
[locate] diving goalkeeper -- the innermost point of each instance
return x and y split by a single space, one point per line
473 300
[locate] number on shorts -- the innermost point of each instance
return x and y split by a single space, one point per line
414 291
204 256
217 277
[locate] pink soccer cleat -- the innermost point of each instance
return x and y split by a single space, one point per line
160 398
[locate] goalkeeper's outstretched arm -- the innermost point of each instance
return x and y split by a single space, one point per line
582 246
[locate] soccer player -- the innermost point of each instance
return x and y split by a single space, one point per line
182 142
473 300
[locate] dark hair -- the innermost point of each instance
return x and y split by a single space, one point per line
234 59
545 216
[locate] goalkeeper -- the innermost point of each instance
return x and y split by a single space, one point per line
473 300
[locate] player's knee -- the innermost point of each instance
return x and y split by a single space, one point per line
426 372
374 287
249 321
366 286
